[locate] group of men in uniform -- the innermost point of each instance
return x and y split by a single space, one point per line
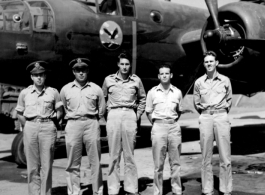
83 103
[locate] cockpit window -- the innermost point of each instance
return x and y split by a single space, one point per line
128 8
109 7
42 15
12 6
90 3
14 17
16 21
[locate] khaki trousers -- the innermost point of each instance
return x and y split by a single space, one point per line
121 132
77 133
216 126
39 140
166 137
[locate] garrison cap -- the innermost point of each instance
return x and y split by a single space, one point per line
79 62
37 67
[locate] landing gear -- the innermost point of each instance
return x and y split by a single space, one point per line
17 150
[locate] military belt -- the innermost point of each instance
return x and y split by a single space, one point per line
39 120
165 121
83 118
123 108
211 112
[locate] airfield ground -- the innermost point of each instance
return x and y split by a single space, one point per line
248 157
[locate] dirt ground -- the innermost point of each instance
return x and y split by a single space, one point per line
248 159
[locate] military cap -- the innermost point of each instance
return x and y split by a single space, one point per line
37 67
78 62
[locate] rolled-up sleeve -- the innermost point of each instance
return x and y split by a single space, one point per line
180 108
105 89
141 97
62 96
229 96
21 102
197 97
63 99
149 103
101 104
58 102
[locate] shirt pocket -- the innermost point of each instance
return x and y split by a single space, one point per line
48 104
114 92
221 90
30 102
132 93
175 104
91 100
72 101
203 92
159 104
30 105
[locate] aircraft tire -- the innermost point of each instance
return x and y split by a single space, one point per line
17 150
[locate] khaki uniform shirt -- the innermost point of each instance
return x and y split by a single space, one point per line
164 106
125 93
82 101
39 104
215 95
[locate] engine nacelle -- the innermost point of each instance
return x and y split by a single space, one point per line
241 20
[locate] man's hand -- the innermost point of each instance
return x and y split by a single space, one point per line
21 119
149 116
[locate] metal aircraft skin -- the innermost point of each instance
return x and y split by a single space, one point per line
153 31
59 30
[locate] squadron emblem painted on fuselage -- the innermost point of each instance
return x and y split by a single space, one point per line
110 35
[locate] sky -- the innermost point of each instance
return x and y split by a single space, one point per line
201 3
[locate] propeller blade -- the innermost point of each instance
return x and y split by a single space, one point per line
255 44
213 9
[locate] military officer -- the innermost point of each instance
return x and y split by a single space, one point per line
39 107
126 103
84 105
213 100
163 111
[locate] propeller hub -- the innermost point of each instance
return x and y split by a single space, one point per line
214 36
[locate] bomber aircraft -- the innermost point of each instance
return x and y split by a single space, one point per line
153 31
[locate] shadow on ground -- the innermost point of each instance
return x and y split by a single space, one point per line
190 186
251 117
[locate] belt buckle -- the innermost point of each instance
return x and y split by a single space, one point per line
211 112
38 120
124 108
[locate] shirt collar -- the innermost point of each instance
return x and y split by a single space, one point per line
34 89
217 76
74 83
118 78
161 88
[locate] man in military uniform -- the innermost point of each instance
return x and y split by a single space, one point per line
126 103
84 105
213 100
163 111
39 107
